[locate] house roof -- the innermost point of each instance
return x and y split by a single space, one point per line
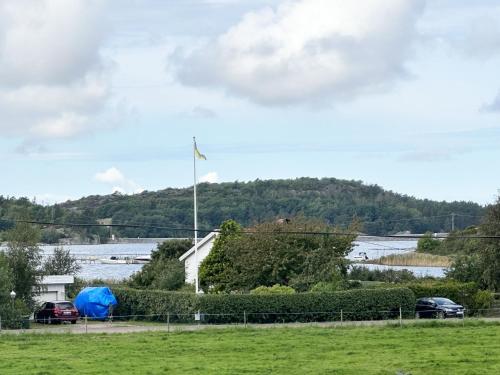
201 243
57 279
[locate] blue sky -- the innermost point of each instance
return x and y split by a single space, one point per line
97 96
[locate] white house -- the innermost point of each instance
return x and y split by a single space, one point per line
190 264
53 287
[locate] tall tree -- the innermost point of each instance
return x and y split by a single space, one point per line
479 259
24 259
215 270
61 262
278 252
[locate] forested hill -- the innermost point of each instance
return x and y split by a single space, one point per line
332 200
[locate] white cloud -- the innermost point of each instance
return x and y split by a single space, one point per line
53 80
211 177
308 51
113 176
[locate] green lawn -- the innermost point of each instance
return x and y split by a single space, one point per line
433 348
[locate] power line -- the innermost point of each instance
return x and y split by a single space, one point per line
336 234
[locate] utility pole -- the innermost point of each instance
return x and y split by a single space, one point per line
452 221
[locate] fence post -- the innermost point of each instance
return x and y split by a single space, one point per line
341 317
400 317
168 322
85 323
245 318
0 324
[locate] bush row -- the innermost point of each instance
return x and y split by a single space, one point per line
360 304
467 294
144 303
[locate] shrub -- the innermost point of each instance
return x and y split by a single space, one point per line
275 289
467 294
360 304
389 275
306 307
143 304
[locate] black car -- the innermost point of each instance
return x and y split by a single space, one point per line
57 312
438 307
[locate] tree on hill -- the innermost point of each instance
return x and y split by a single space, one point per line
275 253
333 201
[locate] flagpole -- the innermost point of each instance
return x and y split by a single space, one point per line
195 220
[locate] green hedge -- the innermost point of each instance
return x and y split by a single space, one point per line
467 294
143 303
361 304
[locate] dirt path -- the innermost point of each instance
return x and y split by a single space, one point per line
132 327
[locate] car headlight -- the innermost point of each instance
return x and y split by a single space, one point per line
448 310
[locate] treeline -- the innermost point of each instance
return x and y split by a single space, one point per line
335 202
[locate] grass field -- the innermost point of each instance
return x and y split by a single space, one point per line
431 348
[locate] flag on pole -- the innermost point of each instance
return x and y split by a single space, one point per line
198 154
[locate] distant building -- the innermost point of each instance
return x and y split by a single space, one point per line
190 264
53 287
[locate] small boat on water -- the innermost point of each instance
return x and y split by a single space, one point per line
140 259
361 256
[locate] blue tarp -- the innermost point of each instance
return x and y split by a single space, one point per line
95 302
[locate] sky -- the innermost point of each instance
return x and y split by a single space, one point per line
99 96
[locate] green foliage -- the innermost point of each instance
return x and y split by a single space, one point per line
483 299
275 289
181 306
171 249
467 268
276 253
330 200
360 304
10 311
467 294
386 276
165 271
215 270
335 283
51 235
61 262
456 243
427 244
478 260
489 249
23 258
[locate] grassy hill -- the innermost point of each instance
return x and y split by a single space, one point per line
335 201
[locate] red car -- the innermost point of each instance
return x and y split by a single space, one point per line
57 312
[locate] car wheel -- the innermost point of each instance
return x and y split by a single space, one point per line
440 315
73 322
417 315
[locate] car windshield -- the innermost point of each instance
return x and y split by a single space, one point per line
443 301
64 305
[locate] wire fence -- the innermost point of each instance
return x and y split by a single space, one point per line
179 321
